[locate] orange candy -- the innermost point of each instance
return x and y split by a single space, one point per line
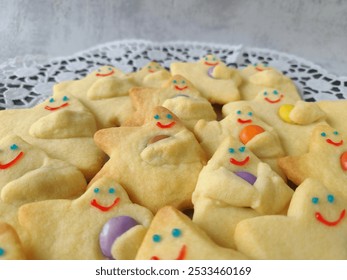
343 161
249 132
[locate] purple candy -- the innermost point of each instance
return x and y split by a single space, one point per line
210 71
250 178
114 228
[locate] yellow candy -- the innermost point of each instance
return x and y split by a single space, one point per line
284 112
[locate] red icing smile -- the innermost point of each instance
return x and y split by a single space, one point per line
171 124
104 208
49 108
244 121
105 75
321 219
211 64
334 143
239 163
274 101
259 69
181 255
151 71
12 162
181 88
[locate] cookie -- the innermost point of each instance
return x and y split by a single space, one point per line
235 185
56 227
293 120
178 95
314 228
325 161
104 92
62 128
173 236
158 163
242 124
257 77
10 244
28 174
211 77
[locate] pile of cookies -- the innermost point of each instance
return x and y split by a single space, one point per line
200 162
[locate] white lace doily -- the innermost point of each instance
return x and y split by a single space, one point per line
28 80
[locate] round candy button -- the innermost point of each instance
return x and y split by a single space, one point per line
284 112
248 133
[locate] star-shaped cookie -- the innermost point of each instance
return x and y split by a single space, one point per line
75 229
315 228
292 119
236 185
211 77
173 236
178 95
157 163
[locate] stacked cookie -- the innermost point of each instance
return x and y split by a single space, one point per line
200 162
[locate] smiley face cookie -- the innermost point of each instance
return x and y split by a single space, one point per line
211 77
27 174
293 120
326 160
104 92
164 155
62 128
315 228
233 186
173 236
258 77
57 226
178 95
10 244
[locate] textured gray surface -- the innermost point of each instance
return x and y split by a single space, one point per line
315 30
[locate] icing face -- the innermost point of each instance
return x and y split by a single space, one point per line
330 199
244 117
105 198
261 66
179 84
332 138
273 97
210 60
105 71
238 157
15 159
175 233
52 101
164 121
153 67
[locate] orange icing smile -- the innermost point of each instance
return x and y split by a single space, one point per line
49 108
171 124
244 121
211 64
181 88
239 163
274 101
12 162
105 75
181 255
334 143
104 208
321 219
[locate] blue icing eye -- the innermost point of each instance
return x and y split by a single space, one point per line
206 58
250 114
51 100
275 92
336 132
330 198
231 150
214 59
174 81
65 98
109 68
156 238
176 232
238 112
14 147
315 200
323 134
2 252
183 82
96 190
111 190
265 64
265 93
169 116
242 149
157 117
255 64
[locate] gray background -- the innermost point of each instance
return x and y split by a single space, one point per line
315 30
